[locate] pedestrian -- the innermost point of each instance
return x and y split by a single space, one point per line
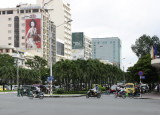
22 91
107 90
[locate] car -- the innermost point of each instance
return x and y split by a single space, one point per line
130 87
144 88
1 88
113 88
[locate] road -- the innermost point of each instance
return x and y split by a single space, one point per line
10 104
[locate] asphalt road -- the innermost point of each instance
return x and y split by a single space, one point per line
10 104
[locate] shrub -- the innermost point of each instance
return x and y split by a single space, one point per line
60 91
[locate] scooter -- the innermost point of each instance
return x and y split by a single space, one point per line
39 95
120 94
93 93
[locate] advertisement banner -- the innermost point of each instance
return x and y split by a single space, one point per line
33 34
77 40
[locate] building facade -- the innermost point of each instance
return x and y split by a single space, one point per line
81 46
107 49
60 14
28 29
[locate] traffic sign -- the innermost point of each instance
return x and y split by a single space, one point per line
140 73
50 78
142 77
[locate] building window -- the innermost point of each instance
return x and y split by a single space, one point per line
9 25
9 19
9 44
3 12
35 10
7 50
1 50
10 12
9 38
23 37
60 48
9 31
21 11
16 31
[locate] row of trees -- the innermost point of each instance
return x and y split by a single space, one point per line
68 73
85 72
8 71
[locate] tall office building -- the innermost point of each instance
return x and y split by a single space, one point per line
26 28
59 11
81 46
107 49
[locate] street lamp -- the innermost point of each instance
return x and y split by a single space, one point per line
50 35
123 72
50 41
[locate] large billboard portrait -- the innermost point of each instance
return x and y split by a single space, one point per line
33 33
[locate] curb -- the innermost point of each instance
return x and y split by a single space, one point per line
62 96
147 98
7 92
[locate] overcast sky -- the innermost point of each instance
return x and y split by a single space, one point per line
126 19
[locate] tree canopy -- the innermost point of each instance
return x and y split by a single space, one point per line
144 44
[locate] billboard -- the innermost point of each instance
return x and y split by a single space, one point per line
78 54
77 40
33 32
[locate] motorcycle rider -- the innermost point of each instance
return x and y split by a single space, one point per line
38 90
96 89
122 89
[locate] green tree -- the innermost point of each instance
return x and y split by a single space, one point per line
40 66
144 44
6 60
143 64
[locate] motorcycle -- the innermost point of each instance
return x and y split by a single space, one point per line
93 93
34 94
120 94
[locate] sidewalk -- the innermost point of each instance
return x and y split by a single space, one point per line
149 96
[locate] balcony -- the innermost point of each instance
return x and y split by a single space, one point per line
155 63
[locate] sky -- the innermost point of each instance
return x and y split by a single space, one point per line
126 19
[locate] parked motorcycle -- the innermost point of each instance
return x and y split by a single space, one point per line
93 93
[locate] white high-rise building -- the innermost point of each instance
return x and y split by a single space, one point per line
60 14
26 28
108 49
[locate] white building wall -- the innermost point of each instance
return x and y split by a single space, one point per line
59 12
7 32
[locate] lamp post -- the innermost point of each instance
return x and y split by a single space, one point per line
17 63
50 41
50 35
124 78
123 72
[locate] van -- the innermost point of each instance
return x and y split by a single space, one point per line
130 87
